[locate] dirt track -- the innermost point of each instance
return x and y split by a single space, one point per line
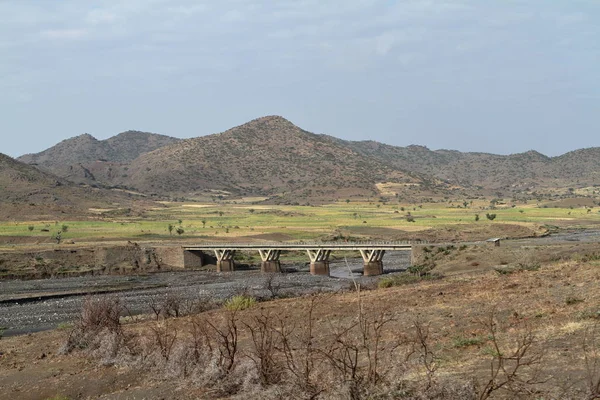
35 305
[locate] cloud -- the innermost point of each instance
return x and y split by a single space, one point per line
100 16
64 34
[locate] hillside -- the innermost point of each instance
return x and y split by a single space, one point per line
272 157
507 174
85 159
267 156
28 191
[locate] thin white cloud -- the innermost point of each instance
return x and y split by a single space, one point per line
64 34
101 16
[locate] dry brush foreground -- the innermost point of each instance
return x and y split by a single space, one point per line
527 334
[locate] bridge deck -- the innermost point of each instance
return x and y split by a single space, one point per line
306 246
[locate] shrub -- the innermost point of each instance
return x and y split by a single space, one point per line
462 341
405 279
240 302
573 300
491 217
98 315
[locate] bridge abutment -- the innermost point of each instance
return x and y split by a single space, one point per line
372 268
373 262
319 261
319 268
225 260
225 266
270 261
270 266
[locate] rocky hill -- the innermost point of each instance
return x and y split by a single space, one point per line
29 191
81 158
270 156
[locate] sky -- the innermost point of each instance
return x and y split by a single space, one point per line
499 76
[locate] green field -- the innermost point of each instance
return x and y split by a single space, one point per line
357 219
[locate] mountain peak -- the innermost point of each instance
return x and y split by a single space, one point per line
84 137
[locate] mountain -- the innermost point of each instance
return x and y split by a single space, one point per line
272 157
267 156
81 158
26 190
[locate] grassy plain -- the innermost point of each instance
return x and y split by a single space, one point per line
354 220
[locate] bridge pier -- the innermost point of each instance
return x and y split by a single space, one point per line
319 261
270 260
373 262
225 260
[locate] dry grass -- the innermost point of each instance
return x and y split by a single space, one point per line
399 342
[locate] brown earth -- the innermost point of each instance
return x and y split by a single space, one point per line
272 157
27 192
558 305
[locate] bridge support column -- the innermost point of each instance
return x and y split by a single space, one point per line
225 260
319 261
270 260
373 262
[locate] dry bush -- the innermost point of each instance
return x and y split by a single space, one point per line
99 315
301 353
591 354
224 339
264 349
514 362
164 337
272 285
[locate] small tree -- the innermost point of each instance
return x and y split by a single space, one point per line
180 230
203 223
170 228
64 228
251 211
491 217
476 217
30 228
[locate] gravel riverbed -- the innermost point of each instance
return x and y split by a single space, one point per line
35 305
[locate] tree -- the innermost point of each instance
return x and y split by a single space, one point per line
490 216
30 227
476 217
64 228
251 211
170 228
180 230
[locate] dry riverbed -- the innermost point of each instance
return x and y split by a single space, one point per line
35 305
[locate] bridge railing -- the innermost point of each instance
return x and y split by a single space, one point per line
311 243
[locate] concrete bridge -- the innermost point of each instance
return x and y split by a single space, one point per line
318 253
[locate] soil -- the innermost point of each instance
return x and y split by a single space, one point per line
454 308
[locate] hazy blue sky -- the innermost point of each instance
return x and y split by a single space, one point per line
500 76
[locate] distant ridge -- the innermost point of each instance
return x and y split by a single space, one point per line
270 156
28 191
85 148
75 158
